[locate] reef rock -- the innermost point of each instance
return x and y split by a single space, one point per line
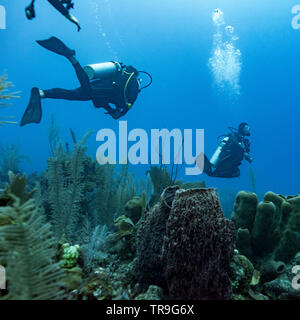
241 273
122 242
153 293
286 285
135 207
149 267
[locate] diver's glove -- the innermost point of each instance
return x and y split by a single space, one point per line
114 114
247 157
30 12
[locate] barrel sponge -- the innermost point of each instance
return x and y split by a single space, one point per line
244 210
262 229
198 247
150 234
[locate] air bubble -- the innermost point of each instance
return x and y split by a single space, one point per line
225 62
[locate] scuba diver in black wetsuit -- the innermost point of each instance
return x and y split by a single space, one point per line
103 83
63 6
233 148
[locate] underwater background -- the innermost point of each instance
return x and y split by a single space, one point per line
173 40
211 70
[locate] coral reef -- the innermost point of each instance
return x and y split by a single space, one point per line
83 231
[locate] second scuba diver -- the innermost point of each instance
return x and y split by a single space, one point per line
233 148
63 6
103 83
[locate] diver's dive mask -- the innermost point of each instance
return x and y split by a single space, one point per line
30 12
244 129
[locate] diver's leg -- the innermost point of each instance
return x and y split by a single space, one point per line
233 173
81 76
207 166
59 7
74 95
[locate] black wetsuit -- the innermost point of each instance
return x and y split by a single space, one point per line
230 158
58 5
101 92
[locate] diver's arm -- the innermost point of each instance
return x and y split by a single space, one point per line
247 151
64 11
116 113
71 18
29 11
247 157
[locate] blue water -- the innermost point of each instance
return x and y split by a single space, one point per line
173 40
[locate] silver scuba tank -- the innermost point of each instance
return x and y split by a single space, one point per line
104 70
215 158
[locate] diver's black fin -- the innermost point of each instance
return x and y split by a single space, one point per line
33 113
55 45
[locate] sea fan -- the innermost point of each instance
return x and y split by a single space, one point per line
4 96
27 250
66 188
95 245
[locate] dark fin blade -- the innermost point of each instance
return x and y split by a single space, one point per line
55 45
33 113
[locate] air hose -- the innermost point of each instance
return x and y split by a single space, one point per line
128 80
149 84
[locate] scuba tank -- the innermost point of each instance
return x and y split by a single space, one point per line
104 70
215 158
